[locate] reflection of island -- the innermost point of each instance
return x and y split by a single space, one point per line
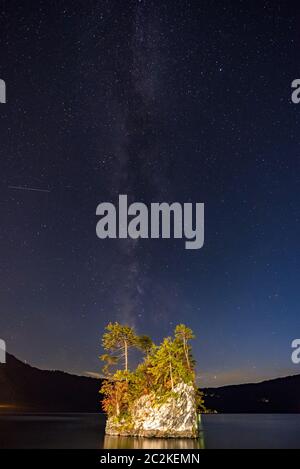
122 442
159 399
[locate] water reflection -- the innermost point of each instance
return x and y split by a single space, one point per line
88 431
119 442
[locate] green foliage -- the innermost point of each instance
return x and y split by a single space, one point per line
162 368
116 335
110 361
117 339
145 344
183 334
167 365
200 401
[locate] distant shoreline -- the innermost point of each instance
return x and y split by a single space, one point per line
30 390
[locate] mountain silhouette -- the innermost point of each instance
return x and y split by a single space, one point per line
280 395
24 388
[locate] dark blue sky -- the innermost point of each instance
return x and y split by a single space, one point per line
164 101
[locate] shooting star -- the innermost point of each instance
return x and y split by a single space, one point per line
24 188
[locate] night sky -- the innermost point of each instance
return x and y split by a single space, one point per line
186 101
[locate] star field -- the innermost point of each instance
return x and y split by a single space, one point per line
164 101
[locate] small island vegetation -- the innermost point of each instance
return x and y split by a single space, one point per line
164 381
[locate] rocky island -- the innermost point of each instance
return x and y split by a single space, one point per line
159 399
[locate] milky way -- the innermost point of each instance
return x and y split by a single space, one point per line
163 101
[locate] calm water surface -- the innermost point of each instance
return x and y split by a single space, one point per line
87 431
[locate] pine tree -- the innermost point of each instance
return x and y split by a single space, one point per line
110 361
184 334
118 339
145 344
165 365
162 369
115 396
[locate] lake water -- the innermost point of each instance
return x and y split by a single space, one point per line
87 431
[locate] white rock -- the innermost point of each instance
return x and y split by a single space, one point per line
176 418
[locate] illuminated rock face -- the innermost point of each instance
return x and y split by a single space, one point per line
176 418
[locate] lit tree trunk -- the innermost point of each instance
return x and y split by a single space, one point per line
117 401
186 353
171 375
126 355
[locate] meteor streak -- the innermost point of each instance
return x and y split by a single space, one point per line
24 188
